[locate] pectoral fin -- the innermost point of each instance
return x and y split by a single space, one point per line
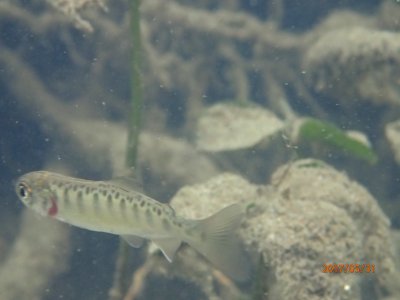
133 240
168 246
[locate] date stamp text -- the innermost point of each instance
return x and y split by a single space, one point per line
348 268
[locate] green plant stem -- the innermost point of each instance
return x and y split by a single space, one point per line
136 86
123 264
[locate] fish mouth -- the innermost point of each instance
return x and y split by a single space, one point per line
16 182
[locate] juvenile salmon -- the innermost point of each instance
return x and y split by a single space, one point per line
117 208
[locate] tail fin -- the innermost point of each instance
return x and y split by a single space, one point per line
219 244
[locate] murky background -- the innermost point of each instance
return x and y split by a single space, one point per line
289 107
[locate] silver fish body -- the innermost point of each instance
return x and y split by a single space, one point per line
112 207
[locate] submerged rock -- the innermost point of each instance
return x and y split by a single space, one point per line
353 64
226 127
392 131
319 216
311 215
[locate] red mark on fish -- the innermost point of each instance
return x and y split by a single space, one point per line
53 208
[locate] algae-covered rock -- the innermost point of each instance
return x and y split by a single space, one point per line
325 218
225 127
201 200
392 131
309 216
353 64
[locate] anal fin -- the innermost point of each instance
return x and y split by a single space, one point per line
133 240
168 246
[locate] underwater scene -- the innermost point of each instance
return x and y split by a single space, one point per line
177 149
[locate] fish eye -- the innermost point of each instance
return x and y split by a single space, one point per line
23 190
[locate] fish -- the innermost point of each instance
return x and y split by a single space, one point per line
116 207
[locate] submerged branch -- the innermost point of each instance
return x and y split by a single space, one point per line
39 254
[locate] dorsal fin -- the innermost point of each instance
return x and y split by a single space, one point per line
127 183
128 180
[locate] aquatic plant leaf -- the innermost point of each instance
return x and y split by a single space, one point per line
227 127
328 134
